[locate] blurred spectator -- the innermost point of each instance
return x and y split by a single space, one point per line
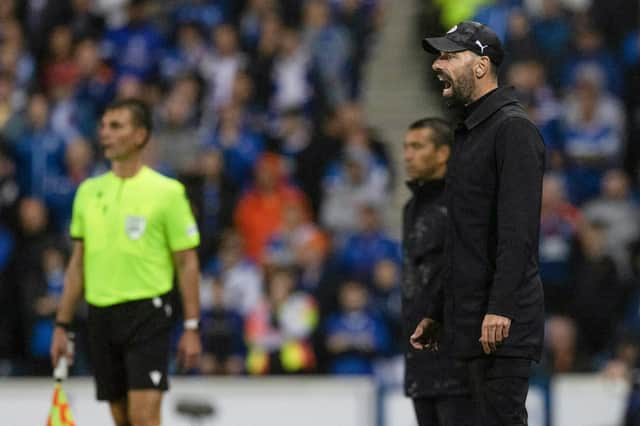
79 165
221 66
8 107
367 246
213 199
598 294
39 17
84 22
534 92
631 60
278 330
309 150
241 278
26 271
552 32
496 15
285 246
188 52
590 51
8 185
222 329
291 74
39 151
260 211
204 13
616 210
96 81
593 133
136 47
354 335
357 179
361 18
253 19
15 58
176 137
387 300
519 39
240 146
331 53
615 18
262 59
558 228
46 296
562 354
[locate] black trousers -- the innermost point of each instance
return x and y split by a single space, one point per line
499 389
444 411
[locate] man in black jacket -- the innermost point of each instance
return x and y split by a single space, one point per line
437 384
493 300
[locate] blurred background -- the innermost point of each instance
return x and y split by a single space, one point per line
285 119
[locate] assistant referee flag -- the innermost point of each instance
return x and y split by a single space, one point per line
60 413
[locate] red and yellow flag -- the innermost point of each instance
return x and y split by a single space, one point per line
60 413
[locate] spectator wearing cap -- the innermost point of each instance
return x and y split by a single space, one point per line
493 311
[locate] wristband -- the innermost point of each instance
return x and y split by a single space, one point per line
191 324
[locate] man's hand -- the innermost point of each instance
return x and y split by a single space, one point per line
60 347
495 328
189 349
426 335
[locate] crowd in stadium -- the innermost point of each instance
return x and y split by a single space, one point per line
257 110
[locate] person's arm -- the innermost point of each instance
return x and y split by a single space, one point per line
71 295
520 163
188 272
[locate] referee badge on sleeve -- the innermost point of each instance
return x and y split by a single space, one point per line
134 226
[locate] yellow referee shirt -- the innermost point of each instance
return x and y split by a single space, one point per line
130 227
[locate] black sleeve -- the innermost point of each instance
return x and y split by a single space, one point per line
520 164
432 289
433 295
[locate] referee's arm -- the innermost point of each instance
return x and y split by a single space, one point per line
71 295
188 271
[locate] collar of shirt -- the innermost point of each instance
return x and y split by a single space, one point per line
426 187
482 108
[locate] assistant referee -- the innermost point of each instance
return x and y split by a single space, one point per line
133 230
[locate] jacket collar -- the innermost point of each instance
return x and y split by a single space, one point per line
490 104
426 187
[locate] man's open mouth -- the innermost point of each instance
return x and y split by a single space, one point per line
445 81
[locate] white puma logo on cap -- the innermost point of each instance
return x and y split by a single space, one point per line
481 46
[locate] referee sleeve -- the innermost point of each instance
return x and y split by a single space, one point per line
181 229
77 227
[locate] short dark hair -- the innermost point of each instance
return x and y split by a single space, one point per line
140 113
441 128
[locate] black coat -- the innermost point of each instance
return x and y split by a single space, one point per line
494 190
427 374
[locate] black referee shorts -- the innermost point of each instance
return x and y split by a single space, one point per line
129 346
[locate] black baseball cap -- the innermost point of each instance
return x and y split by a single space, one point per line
467 35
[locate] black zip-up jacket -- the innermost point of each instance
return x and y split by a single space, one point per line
427 374
494 189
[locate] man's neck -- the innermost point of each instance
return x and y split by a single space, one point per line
126 168
482 90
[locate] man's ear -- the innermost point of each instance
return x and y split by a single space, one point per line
142 136
482 67
443 153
